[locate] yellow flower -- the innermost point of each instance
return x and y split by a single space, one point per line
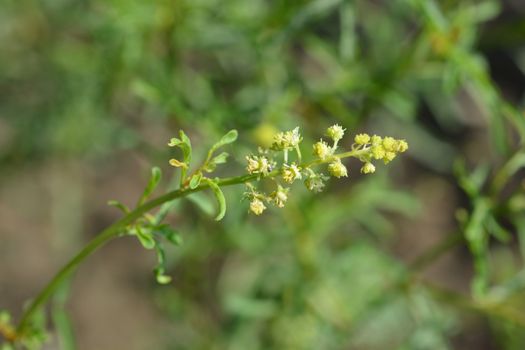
322 150
368 168
401 146
389 156
337 169
286 140
335 132
315 182
389 144
378 152
280 196
258 165
257 206
376 140
291 172
362 139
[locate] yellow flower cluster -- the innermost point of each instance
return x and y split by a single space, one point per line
257 206
366 148
322 150
258 165
335 132
287 140
337 169
385 149
291 172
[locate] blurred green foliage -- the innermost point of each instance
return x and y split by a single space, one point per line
89 80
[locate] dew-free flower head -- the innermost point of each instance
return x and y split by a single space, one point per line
257 206
335 132
337 169
291 172
322 150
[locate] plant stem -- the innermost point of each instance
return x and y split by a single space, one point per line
118 227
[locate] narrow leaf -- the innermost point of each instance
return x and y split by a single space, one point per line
221 201
169 234
154 180
145 238
160 268
195 180
221 158
163 279
185 145
230 137
119 205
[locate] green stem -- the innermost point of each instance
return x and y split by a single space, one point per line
118 227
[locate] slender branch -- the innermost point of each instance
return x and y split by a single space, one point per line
118 227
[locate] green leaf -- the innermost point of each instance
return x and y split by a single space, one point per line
184 144
160 268
163 279
230 137
119 205
145 238
210 163
221 158
221 201
169 234
154 180
475 232
186 147
195 180
496 230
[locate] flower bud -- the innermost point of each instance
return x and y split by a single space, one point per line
368 168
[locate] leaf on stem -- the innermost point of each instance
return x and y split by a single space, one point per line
195 180
160 268
145 237
153 182
119 205
184 144
210 164
170 234
221 201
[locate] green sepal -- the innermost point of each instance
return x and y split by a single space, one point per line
221 201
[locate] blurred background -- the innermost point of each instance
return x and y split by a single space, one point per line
425 254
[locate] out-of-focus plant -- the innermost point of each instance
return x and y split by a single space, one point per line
151 231
97 69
